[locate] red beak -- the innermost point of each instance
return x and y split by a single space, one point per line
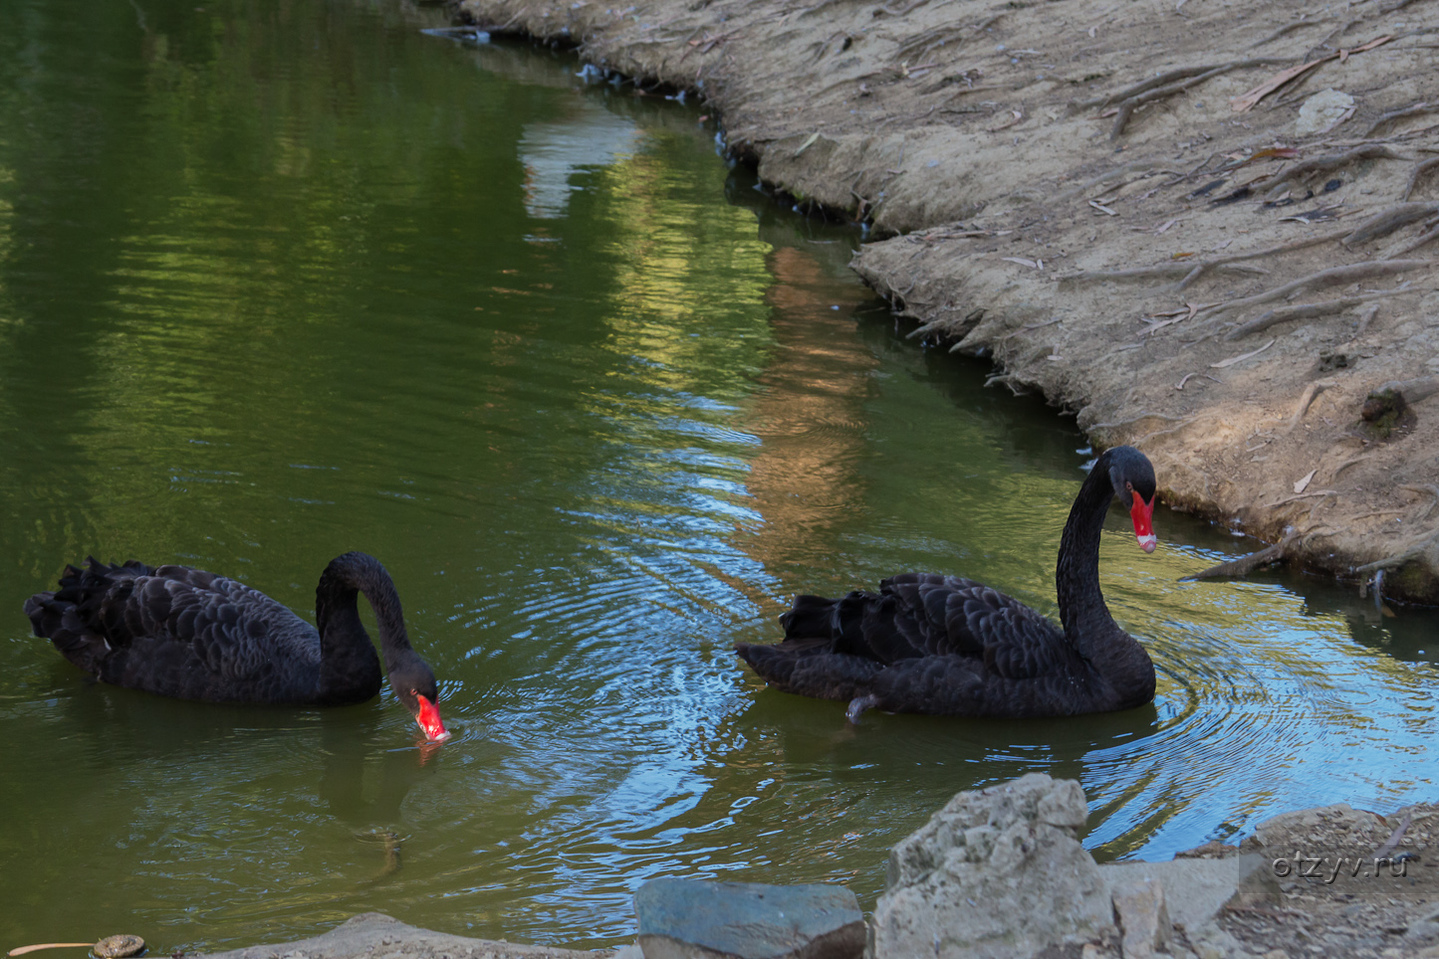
429 719
1143 515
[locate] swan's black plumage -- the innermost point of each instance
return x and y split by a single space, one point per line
927 643
190 634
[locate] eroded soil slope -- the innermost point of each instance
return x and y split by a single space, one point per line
1206 227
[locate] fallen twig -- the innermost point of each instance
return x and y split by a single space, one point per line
1310 391
1243 356
1306 495
1392 843
1245 565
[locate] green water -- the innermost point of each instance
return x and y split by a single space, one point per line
284 279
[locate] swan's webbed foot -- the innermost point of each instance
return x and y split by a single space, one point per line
858 705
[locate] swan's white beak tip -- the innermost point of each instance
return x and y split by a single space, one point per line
1148 542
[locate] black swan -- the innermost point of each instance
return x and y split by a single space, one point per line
190 634
927 643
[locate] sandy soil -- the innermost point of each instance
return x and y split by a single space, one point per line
1105 198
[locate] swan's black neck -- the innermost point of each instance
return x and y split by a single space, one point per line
1082 610
347 658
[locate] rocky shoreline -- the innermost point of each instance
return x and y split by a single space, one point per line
1000 873
1207 230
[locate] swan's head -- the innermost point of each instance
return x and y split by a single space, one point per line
420 693
1132 476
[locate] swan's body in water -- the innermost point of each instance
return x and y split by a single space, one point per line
190 634
927 643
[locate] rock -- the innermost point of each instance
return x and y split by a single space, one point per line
1214 849
1425 929
685 919
1323 111
1143 918
996 873
1291 828
374 934
1195 890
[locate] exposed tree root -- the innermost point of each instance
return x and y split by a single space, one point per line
1365 319
1334 276
1105 177
1158 271
1180 81
1418 172
1419 388
1245 565
1306 311
1417 109
1387 221
1136 419
1324 164
1413 245
1201 268
1429 488
1414 551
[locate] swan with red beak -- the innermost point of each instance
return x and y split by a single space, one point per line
931 643
186 633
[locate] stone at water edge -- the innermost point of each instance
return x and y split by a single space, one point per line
998 873
1196 890
689 919
1143 918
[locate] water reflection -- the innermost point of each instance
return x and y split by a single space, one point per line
590 137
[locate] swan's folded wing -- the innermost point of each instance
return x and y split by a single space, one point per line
951 616
235 631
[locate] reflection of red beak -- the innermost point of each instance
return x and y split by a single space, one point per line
1143 515
429 720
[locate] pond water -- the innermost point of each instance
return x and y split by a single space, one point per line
284 279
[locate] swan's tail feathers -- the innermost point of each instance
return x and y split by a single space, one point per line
60 622
808 668
86 612
809 616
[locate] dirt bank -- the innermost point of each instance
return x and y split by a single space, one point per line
1106 198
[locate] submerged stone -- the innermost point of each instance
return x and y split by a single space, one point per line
680 919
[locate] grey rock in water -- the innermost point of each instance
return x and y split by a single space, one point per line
997 873
687 919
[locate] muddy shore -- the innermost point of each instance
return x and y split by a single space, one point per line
1206 229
